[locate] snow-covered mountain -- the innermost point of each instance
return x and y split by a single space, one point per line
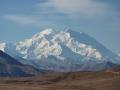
65 50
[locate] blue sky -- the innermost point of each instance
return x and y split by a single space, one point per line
20 19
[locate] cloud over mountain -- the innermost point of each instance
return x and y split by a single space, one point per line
89 7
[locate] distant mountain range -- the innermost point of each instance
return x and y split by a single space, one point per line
65 51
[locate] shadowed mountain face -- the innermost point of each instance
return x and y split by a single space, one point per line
11 67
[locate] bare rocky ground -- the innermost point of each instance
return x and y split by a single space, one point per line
64 81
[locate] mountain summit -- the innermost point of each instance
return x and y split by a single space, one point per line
65 50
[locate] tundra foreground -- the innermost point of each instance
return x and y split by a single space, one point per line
64 81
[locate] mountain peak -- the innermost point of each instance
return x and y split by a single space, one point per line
47 31
49 42
44 32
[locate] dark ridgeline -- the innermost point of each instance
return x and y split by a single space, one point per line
12 68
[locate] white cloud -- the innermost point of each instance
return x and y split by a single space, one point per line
25 20
51 11
89 7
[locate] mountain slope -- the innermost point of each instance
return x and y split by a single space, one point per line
65 50
10 67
